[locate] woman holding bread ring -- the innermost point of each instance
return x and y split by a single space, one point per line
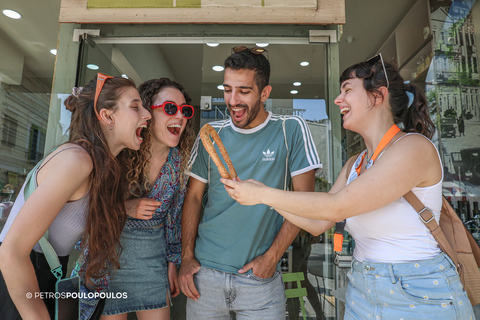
398 271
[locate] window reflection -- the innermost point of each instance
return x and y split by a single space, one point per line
453 92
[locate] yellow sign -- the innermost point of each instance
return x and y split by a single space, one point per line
312 12
200 3
144 3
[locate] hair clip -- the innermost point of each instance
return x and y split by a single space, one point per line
411 97
76 91
125 76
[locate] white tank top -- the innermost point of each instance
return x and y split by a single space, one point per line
395 233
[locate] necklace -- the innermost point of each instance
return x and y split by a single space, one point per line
387 137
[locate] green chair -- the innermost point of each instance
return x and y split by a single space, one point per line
298 292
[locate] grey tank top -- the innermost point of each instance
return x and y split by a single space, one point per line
69 225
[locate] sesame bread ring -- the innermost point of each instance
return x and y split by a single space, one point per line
206 132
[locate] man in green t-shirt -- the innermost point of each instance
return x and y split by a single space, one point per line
230 258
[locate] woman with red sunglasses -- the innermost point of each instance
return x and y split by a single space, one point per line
151 242
78 190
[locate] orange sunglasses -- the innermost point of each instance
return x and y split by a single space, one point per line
100 82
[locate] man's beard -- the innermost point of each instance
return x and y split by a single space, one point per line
252 113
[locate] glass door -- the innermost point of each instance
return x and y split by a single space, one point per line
92 60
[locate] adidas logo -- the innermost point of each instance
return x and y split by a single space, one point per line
268 155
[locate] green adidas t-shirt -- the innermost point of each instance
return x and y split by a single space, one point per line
230 235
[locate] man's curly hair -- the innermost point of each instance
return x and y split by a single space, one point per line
138 161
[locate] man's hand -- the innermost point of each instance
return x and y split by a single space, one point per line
142 208
173 279
185 278
263 266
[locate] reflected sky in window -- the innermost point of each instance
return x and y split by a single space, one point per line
315 109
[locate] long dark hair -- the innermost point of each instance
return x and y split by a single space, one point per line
415 118
106 215
138 161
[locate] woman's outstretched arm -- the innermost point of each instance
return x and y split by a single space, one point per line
411 162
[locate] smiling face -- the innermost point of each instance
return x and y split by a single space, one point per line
128 120
168 129
243 98
354 102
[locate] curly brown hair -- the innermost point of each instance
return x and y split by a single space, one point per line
138 161
106 213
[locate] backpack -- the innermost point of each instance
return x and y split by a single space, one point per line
455 240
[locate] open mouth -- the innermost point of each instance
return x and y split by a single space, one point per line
174 129
344 110
238 112
138 132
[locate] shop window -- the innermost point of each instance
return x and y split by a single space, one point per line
9 132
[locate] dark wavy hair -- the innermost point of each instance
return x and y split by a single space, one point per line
138 161
106 213
247 60
415 118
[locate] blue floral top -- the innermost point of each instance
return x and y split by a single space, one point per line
168 189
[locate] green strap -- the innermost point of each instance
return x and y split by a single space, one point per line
51 256
48 251
30 182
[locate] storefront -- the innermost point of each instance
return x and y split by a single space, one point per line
434 46
303 58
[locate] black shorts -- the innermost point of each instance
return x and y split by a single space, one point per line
46 282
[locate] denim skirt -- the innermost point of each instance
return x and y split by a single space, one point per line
425 289
141 283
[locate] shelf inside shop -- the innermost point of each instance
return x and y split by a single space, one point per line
407 45
416 67
422 49
412 31
389 50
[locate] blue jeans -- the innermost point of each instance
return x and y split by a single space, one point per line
245 295
425 289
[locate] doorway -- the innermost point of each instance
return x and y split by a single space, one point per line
300 79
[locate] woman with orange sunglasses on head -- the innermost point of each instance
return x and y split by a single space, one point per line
151 239
79 191
398 270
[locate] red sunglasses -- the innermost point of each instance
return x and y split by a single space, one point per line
171 109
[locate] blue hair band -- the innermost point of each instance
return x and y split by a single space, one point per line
411 97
